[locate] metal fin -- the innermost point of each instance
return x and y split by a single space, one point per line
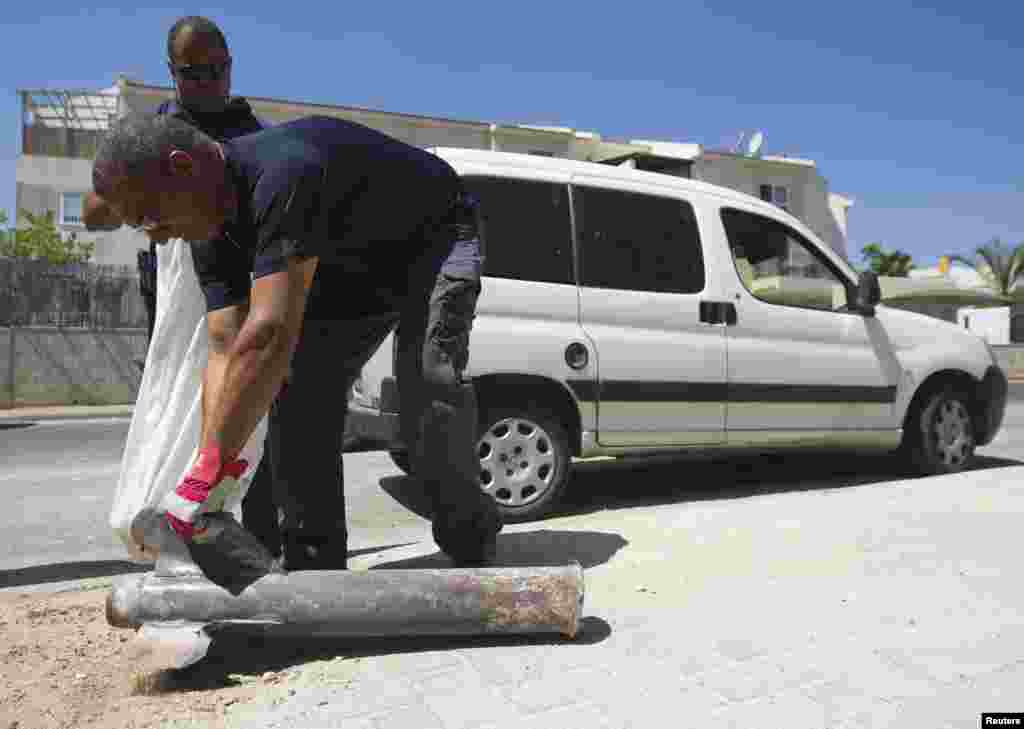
174 644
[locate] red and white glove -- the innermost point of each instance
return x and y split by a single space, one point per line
201 490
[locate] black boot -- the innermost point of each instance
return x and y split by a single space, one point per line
466 521
259 514
228 554
468 534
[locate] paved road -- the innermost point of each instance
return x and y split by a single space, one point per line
59 478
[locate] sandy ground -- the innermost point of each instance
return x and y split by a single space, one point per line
63 666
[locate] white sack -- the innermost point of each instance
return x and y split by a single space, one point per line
164 435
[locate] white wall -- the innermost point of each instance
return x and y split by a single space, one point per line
59 173
820 215
41 180
840 207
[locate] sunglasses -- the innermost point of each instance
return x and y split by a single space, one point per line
201 71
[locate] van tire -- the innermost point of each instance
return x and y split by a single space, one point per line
554 433
538 437
938 436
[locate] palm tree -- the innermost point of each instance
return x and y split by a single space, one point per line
887 263
998 265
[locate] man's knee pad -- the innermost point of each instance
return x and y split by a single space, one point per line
452 397
451 415
443 382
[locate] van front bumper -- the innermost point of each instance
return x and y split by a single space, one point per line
991 399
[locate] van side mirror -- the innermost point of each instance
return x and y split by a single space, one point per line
869 293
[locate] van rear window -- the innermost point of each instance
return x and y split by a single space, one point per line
637 242
525 229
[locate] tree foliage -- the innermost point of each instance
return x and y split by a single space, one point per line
1000 266
40 239
887 263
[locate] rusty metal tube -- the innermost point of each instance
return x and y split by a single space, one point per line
370 603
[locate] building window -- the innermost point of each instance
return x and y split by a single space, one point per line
71 208
776 194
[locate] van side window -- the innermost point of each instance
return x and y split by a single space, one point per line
525 229
779 266
637 242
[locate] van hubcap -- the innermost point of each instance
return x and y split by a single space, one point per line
517 462
952 433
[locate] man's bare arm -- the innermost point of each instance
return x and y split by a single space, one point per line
222 326
243 382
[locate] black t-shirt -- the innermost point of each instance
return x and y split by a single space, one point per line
325 187
236 119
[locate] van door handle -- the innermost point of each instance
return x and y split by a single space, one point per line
718 312
730 313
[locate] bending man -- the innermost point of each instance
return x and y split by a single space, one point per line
200 63
332 233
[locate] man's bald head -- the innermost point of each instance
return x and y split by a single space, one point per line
140 144
200 64
192 28
163 174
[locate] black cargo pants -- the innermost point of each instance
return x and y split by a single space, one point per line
432 308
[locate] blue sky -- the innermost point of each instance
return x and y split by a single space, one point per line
911 109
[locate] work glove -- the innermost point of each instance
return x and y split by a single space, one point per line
204 489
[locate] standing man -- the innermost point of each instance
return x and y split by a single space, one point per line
200 65
332 233
199 62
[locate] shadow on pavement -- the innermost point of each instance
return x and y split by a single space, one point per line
62 572
372 550
538 548
628 483
68 571
245 651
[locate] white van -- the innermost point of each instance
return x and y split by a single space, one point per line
627 312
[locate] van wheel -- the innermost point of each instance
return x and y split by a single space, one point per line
524 460
939 434
401 459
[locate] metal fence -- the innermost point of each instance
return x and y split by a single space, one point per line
84 295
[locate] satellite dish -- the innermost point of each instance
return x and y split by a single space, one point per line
754 145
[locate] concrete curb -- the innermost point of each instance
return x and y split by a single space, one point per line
28 416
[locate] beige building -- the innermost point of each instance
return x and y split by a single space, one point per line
791 183
61 127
